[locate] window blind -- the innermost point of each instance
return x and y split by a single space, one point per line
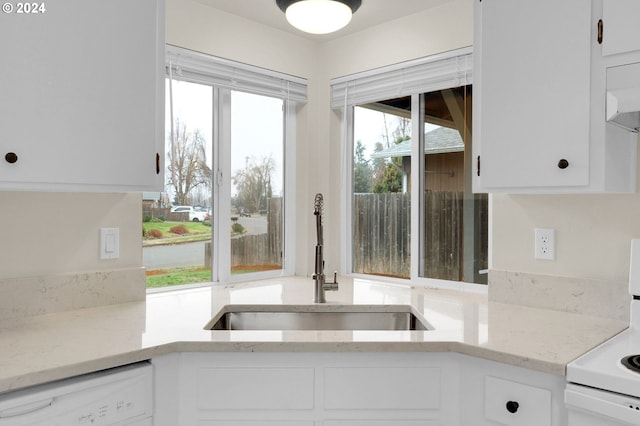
442 71
197 67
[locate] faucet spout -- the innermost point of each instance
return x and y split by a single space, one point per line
318 276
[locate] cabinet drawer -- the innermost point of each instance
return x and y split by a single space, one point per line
382 388
511 403
262 388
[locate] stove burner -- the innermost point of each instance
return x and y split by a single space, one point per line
632 362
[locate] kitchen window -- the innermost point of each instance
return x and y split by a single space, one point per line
381 200
230 134
410 210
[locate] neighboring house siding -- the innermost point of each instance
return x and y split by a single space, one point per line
445 172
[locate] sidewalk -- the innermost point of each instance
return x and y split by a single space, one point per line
176 240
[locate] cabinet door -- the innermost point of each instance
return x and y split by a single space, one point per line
250 388
621 32
82 95
532 62
382 388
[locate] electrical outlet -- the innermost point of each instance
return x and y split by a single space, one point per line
545 244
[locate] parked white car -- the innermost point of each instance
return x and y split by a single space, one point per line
194 215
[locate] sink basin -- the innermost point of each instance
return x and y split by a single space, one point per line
316 317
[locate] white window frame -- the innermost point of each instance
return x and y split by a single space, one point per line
412 78
224 76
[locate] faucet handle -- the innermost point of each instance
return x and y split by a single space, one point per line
333 286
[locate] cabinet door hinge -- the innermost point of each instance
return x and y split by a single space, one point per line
600 31
478 165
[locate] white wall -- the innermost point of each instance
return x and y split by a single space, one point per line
432 31
57 233
202 28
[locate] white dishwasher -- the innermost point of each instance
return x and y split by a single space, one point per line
120 396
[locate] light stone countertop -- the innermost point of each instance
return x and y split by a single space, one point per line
54 346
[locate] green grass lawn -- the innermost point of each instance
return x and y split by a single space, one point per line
178 276
192 275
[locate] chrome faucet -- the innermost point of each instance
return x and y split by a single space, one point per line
320 284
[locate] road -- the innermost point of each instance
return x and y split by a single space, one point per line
173 255
254 225
192 254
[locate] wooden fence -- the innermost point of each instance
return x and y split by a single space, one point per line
382 235
261 250
165 213
443 224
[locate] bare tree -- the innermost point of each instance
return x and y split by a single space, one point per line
401 132
187 166
253 183
387 174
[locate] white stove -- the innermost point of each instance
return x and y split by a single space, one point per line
604 384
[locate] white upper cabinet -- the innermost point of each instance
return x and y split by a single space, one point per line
621 26
539 109
82 104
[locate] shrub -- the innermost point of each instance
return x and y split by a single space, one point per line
158 219
237 228
144 232
179 229
147 218
154 233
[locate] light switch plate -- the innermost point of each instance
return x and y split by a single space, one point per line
109 243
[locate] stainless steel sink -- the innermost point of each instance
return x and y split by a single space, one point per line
316 317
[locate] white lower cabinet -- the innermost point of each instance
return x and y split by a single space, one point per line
306 389
351 389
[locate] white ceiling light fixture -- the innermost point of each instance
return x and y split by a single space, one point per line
319 16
